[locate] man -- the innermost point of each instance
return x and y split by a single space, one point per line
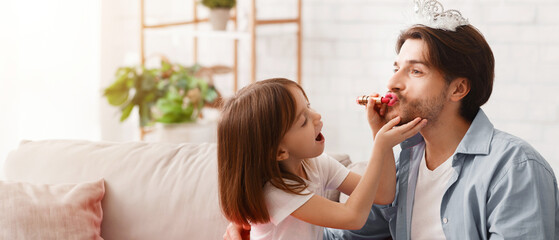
459 178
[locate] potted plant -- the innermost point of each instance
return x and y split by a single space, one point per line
184 95
168 94
134 87
219 12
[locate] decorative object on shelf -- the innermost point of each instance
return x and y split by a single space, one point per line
244 28
169 94
219 12
203 130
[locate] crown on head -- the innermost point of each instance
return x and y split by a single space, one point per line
432 14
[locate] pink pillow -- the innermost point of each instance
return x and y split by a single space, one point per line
56 211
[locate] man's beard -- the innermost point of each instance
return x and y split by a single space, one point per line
424 108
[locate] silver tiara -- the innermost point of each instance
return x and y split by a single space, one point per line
432 14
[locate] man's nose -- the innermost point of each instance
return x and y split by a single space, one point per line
396 83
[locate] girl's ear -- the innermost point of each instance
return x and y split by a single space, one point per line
460 87
282 154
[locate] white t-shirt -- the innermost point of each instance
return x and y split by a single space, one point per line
324 173
431 186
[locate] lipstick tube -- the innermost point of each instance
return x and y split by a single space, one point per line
363 100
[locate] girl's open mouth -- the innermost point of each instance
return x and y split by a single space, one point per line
319 138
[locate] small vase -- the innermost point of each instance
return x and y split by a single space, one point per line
203 130
198 132
219 18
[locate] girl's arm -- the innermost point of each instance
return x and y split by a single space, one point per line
387 186
353 213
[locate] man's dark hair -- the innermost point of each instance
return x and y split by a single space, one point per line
461 53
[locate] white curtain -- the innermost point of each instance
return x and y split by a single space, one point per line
49 71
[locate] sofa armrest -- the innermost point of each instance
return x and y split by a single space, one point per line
356 167
344 159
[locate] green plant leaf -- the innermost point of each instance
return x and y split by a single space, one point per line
163 90
188 112
126 111
168 106
218 3
148 81
193 83
211 95
145 115
116 98
117 93
165 66
182 81
166 119
149 98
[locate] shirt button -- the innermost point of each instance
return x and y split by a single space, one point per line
445 220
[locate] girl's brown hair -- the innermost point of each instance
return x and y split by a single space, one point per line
251 127
460 53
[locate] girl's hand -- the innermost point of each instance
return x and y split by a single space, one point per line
390 135
237 232
375 114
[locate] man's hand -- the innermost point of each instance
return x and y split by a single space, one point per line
237 232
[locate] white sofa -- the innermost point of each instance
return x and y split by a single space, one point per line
152 190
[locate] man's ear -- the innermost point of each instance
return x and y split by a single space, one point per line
282 154
459 88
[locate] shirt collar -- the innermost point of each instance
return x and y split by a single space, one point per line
410 142
478 137
476 141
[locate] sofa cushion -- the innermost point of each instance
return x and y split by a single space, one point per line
153 190
61 211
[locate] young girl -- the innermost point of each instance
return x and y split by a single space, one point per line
273 175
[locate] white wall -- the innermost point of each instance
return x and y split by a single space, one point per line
349 50
49 71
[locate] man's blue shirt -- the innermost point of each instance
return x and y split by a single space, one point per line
502 188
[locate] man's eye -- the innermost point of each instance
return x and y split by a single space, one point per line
415 71
395 70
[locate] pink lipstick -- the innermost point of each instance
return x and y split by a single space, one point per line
390 99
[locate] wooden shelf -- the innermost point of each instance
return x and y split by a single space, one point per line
235 35
218 34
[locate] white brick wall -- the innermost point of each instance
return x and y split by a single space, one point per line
349 49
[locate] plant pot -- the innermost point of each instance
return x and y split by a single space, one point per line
203 130
219 18
186 132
